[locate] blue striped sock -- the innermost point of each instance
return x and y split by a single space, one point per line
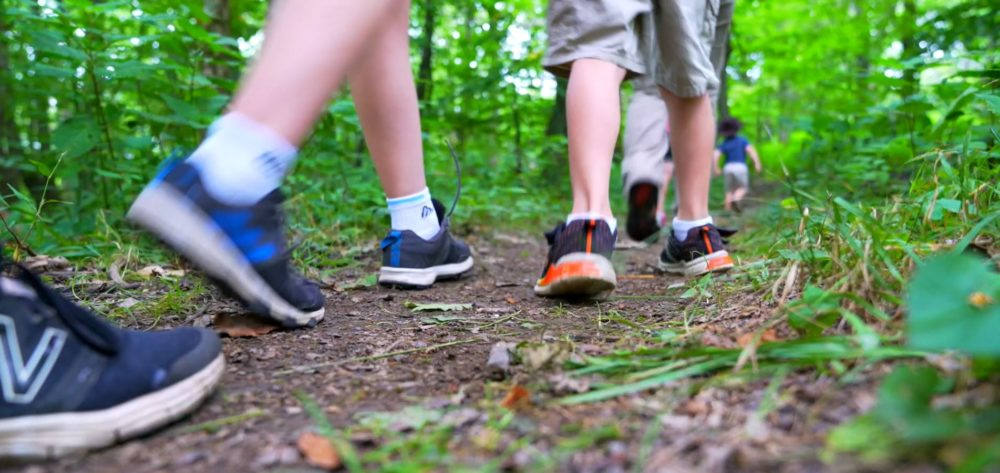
415 213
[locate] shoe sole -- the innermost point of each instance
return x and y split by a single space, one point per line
50 436
184 227
585 275
641 222
716 262
421 278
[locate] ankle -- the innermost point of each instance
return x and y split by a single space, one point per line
681 227
607 218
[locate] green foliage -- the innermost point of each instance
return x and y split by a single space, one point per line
953 306
905 420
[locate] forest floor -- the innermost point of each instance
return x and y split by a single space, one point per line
412 390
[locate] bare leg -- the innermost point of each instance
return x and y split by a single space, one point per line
309 48
661 202
692 134
739 194
593 114
386 99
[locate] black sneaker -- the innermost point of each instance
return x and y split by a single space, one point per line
579 261
411 262
701 252
642 220
71 382
241 247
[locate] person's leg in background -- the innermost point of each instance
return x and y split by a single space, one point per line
645 175
730 183
661 201
416 252
686 77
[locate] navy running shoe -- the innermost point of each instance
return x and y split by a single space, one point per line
241 247
409 261
71 382
579 261
703 251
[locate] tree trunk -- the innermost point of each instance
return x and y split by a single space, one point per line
518 150
217 66
10 143
10 139
557 120
722 111
424 76
911 49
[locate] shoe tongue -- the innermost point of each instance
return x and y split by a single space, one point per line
439 208
92 330
15 288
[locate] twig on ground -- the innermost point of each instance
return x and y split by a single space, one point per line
17 240
216 424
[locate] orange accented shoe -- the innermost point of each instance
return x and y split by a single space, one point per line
579 262
703 251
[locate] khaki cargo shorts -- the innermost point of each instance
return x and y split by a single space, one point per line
737 176
669 40
646 139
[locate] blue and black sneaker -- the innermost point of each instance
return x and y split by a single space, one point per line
409 261
241 247
71 382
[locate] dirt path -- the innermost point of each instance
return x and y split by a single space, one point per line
253 422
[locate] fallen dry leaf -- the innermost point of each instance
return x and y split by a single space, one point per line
158 271
517 397
115 271
511 300
128 303
242 325
539 355
318 451
637 276
694 407
42 263
768 335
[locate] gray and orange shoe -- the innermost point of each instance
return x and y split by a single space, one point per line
703 251
579 261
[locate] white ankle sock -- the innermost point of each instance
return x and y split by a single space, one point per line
612 222
241 161
681 227
415 213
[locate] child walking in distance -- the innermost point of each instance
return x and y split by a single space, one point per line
735 149
598 44
69 382
221 207
647 139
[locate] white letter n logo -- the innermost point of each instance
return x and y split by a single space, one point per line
21 379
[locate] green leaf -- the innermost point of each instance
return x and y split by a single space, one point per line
992 100
953 306
360 283
951 205
429 307
816 311
76 136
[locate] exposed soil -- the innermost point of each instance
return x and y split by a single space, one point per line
706 427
